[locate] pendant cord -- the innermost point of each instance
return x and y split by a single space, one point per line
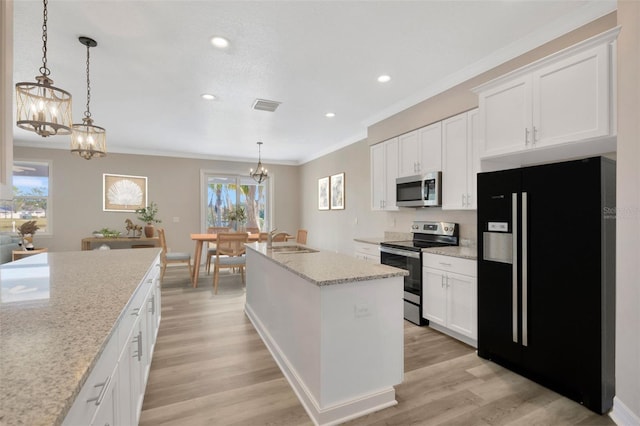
43 69
87 113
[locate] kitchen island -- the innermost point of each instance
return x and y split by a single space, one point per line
68 316
333 323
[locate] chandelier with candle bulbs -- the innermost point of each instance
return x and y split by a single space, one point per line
41 107
260 173
88 140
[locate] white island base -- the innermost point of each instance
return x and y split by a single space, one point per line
339 342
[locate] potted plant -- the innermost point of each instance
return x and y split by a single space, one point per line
149 216
236 216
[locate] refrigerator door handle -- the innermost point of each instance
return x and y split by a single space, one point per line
525 333
514 267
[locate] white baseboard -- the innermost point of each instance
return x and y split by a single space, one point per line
622 415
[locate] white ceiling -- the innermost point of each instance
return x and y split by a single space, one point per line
154 60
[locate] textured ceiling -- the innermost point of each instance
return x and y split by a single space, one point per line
154 59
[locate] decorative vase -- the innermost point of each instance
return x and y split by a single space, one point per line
149 230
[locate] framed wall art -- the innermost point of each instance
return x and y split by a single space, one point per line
122 193
323 193
337 191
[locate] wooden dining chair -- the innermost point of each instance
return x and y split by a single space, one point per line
301 237
263 236
230 253
211 246
252 230
167 257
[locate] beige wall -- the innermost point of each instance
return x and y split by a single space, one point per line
628 217
173 183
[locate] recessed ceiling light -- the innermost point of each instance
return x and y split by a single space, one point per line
207 96
330 114
220 42
384 78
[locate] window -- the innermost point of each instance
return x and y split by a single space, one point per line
224 193
30 197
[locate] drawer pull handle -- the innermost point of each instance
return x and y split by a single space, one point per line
445 264
104 385
136 311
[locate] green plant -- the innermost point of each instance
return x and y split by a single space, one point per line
148 214
108 233
237 215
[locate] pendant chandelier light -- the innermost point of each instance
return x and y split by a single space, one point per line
87 140
260 174
41 107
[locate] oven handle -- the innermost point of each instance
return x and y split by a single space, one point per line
406 253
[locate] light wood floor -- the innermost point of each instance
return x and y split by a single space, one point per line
210 367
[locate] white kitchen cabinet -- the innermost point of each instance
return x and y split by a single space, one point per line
97 390
420 151
367 251
114 391
565 98
460 161
384 171
449 286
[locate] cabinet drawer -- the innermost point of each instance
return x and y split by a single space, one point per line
450 264
96 387
134 308
370 249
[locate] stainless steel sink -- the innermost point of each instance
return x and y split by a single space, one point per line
292 249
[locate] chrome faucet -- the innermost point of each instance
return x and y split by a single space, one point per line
270 238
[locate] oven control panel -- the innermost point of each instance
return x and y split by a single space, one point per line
435 228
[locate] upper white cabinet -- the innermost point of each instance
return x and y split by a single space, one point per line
460 161
384 171
420 151
565 98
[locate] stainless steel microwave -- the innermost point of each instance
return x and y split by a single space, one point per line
419 190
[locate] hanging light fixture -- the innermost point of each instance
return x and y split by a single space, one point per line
41 107
87 140
260 174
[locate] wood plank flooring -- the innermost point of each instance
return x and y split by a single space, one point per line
210 367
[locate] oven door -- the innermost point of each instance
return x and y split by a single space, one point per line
409 261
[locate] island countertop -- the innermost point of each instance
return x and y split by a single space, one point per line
327 268
56 312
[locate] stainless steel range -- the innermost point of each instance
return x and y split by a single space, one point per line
408 255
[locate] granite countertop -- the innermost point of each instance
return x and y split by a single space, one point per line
326 268
57 310
454 251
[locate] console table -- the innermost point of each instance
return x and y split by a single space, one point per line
128 242
19 254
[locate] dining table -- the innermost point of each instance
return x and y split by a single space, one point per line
200 239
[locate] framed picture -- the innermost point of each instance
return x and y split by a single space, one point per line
122 193
337 191
323 193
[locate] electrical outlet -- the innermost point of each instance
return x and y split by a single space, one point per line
176 219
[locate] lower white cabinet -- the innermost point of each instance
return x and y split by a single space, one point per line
367 251
114 392
450 296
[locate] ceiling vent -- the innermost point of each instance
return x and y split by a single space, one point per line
265 105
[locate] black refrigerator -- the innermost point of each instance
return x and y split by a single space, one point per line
546 275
